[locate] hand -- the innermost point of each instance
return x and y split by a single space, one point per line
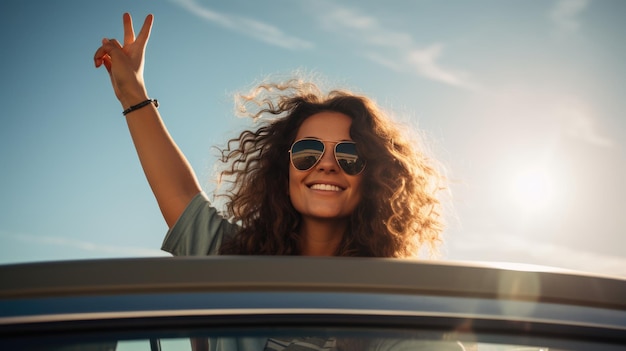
125 63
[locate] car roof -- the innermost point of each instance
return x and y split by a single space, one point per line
271 273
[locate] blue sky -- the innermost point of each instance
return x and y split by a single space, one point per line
522 101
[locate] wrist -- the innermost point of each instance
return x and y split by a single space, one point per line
140 105
131 100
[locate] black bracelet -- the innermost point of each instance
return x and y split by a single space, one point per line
140 105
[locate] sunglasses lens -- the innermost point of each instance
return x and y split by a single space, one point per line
305 153
349 159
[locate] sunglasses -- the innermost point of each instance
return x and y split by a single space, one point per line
306 153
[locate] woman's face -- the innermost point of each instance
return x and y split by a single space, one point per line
325 191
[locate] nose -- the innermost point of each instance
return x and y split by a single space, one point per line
328 163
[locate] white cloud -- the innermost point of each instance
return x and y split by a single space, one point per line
393 65
514 248
393 49
578 123
565 14
365 29
250 27
549 116
584 128
425 62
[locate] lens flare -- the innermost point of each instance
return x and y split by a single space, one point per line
533 190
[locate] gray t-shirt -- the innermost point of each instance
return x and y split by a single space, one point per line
199 231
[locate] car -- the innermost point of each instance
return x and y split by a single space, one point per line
250 302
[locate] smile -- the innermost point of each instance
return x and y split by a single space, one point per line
325 187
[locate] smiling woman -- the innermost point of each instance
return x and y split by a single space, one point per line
384 201
363 188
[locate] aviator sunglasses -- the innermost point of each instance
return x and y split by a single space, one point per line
306 153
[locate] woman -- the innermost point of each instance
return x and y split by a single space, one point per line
327 175
330 174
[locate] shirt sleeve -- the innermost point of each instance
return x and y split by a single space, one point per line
200 230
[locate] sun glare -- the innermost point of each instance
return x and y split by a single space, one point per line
533 190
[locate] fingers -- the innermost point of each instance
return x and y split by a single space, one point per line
106 60
129 32
112 44
144 33
100 54
109 48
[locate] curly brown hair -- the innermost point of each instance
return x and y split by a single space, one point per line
399 211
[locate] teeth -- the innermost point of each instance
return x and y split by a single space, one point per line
325 187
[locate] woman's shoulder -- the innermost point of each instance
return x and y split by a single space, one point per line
200 230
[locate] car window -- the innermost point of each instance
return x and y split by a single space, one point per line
178 344
313 338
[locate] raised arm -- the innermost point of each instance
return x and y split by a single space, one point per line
169 174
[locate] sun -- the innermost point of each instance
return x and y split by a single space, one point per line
533 190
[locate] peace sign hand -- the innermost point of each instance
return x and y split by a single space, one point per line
125 63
